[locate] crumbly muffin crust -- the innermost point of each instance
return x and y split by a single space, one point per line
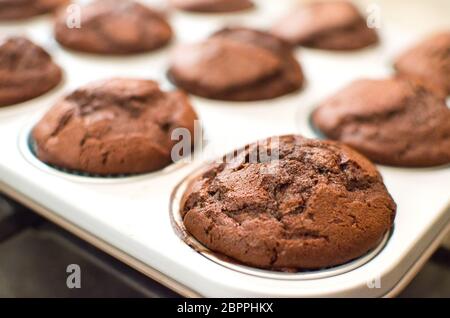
320 204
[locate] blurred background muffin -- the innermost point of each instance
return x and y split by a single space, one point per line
428 62
26 70
332 25
237 64
212 6
114 27
392 121
21 9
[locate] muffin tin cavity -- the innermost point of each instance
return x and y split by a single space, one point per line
220 259
315 130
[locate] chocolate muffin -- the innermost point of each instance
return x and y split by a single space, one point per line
21 9
428 62
237 64
314 204
336 25
113 127
114 27
26 71
212 6
392 121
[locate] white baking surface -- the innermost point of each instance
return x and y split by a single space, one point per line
132 214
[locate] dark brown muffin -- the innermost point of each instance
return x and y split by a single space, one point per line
237 64
21 9
428 62
336 25
26 71
391 121
116 126
320 204
211 6
114 27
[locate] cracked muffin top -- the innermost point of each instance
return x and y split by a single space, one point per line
111 127
26 71
333 25
21 9
113 27
237 64
428 62
289 203
212 6
392 121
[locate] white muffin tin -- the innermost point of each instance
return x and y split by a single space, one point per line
130 217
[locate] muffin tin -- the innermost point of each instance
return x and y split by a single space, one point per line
134 218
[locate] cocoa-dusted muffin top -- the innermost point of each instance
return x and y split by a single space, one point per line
333 25
211 6
428 62
26 71
114 27
237 64
392 121
320 204
21 9
111 127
